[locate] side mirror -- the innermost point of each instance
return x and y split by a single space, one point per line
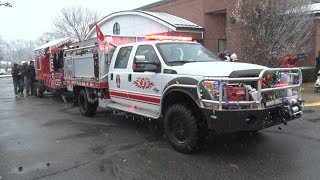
141 65
140 58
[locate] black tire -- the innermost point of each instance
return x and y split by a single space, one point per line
86 108
180 126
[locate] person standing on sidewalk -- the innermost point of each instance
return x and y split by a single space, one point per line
15 72
31 74
24 74
20 83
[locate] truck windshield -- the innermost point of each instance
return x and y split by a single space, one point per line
180 53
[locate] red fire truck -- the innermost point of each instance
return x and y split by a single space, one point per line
49 62
183 87
174 81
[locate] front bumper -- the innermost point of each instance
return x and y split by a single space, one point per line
226 121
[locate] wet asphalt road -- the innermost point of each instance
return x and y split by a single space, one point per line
48 139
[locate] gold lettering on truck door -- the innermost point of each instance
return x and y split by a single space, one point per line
143 83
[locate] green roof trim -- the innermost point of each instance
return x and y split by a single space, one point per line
155 4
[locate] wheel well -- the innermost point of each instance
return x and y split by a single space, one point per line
77 89
175 97
88 91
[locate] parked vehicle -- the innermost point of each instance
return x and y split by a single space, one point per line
3 72
183 86
49 66
317 83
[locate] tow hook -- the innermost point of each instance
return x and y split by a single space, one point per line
284 121
285 115
291 108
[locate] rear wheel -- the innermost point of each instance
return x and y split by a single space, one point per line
180 126
86 108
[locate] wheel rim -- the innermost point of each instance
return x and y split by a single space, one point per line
179 129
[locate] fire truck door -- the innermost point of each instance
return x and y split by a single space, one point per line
144 88
118 76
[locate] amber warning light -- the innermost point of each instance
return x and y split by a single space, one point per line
174 38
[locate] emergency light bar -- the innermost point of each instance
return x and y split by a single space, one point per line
174 38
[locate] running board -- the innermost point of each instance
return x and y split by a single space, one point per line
137 111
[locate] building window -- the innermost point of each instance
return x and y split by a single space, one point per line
222 45
116 29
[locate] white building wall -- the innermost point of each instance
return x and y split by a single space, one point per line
132 25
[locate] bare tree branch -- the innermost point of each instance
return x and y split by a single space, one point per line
46 37
271 29
18 50
74 22
6 4
2 48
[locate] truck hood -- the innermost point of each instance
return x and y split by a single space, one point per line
216 69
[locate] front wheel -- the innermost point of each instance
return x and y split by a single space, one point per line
86 108
180 126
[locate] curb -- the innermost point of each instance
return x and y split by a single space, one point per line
5 76
312 104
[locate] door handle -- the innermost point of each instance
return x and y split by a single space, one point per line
129 77
111 77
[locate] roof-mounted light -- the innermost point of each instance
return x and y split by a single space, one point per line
173 38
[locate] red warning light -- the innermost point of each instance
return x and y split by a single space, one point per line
173 38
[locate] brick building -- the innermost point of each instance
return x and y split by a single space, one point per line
214 16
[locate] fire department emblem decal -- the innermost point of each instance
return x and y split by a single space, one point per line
143 83
118 81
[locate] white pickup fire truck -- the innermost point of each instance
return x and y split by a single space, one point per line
184 86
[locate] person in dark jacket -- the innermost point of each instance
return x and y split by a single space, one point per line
20 83
14 73
31 74
24 74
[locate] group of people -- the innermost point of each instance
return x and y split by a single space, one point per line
225 56
24 79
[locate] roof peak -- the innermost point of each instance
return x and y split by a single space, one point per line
155 4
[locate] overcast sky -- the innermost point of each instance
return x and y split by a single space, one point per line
29 19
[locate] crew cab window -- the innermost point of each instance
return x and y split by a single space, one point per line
149 53
123 57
